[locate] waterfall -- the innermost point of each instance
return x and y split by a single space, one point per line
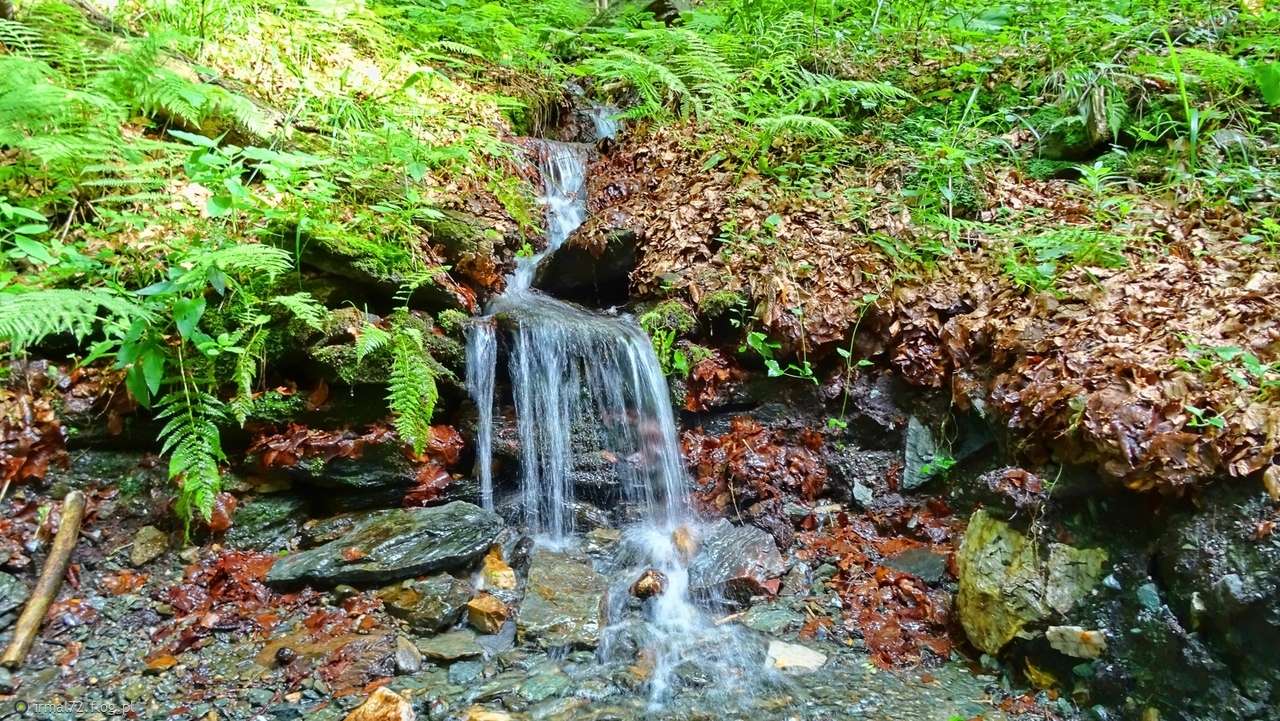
588 390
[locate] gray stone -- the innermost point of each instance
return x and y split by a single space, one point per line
266 523
921 453
427 604
148 544
258 696
563 601
922 563
408 658
394 544
13 593
734 563
793 657
451 646
544 685
464 672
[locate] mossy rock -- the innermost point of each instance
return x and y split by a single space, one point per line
721 303
669 315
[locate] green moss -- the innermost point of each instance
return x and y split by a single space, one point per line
721 303
275 407
669 315
1044 169
452 321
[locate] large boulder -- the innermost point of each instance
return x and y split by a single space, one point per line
564 601
1008 586
734 563
391 545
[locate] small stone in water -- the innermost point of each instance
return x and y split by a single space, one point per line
285 655
684 542
486 613
408 658
480 713
148 544
651 583
495 573
383 705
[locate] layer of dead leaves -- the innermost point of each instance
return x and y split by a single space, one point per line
1089 371
898 615
746 471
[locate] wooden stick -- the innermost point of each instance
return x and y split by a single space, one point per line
55 567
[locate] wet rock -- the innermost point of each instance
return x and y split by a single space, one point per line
451 646
860 476
922 563
735 563
13 593
408 658
391 545
267 523
486 613
563 601
378 476
922 455
1221 567
7 683
651 583
770 619
149 543
382 705
495 574
427 604
545 684
480 713
793 657
463 673
1006 586
590 275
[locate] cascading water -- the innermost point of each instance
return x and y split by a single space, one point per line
588 385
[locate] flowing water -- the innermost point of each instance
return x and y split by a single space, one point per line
588 390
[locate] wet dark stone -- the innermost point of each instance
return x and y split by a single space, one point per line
734 563
390 545
427 604
1223 580
857 475
922 563
598 278
267 523
563 601
13 593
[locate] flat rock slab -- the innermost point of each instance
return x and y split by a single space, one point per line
735 563
390 545
427 604
451 646
793 657
563 601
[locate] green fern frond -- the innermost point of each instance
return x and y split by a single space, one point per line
247 366
806 126
372 339
412 393
28 318
191 439
305 308
244 258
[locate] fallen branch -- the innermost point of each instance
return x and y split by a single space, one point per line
55 567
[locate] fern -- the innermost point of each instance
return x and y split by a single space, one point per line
191 439
245 258
248 363
806 126
412 393
305 308
28 318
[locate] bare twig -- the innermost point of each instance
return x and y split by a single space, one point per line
55 567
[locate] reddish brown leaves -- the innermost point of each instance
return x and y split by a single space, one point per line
750 464
299 442
122 582
898 614
709 380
